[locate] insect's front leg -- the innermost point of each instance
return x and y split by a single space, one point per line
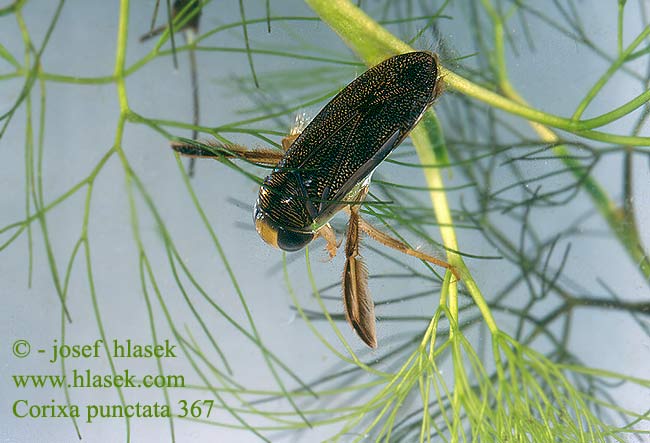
288 141
216 150
328 234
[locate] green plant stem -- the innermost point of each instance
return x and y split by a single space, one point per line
447 231
120 60
580 128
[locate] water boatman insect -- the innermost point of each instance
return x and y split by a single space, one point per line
328 166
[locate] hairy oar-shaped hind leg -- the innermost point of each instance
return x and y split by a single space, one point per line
391 242
359 307
216 150
268 157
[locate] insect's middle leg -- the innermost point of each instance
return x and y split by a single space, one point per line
393 243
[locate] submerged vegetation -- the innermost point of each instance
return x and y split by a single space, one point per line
491 357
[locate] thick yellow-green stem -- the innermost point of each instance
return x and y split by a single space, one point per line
120 56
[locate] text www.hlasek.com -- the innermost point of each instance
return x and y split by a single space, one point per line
86 379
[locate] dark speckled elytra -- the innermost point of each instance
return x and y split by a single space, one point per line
333 159
328 167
